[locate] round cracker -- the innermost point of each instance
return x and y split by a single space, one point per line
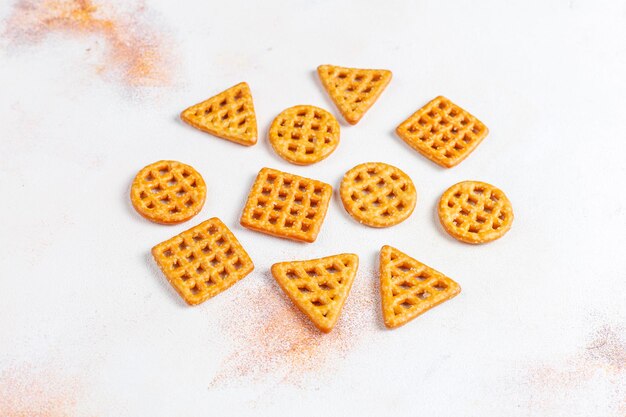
168 192
475 212
304 135
377 194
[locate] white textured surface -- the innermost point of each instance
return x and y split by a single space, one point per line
78 288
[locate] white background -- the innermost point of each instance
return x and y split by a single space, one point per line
81 300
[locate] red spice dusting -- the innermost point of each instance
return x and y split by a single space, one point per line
28 392
608 349
134 51
603 361
273 338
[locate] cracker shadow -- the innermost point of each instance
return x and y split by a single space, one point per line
339 203
163 282
265 138
438 225
129 205
235 217
176 118
375 288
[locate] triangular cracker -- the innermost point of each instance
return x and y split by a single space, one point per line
353 90
409 288
228 115
318 287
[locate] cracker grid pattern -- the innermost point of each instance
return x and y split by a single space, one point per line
475 212
168 192
229 115
286 205
304 135
353 90
443 132
410 288
318 287
378 194
203 261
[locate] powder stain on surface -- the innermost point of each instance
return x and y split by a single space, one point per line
29 392
592 381
274 338
134 51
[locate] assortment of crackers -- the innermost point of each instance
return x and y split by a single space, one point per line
207 259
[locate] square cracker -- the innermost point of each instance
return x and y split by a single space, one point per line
203 261
443 132
286 205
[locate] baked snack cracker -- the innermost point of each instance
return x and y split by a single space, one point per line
443 132
304 135
318 287
377 194
228 115
475 212
286 205
353 90
168 192
203 261
409 288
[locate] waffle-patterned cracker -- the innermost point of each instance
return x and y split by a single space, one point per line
475 212
409 288
168 192
377 194
228 115
304 135
353 90
286 205
203 261
318 287
443 132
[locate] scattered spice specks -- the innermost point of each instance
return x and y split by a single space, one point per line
275 338
593 380
135 52
29 392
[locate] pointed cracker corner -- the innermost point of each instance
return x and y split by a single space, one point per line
229 115
353 90
318 287
409 288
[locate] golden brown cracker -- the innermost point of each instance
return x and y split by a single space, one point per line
409 288
353 90
286 205
304 135
475 212
229 115
168 192
203 261
318 287
377 194
443 132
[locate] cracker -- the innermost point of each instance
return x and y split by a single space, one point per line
203 261
304 135
168 192
286 205
409 288
377 194
228 115
443 132
318 287
353 90
475 212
